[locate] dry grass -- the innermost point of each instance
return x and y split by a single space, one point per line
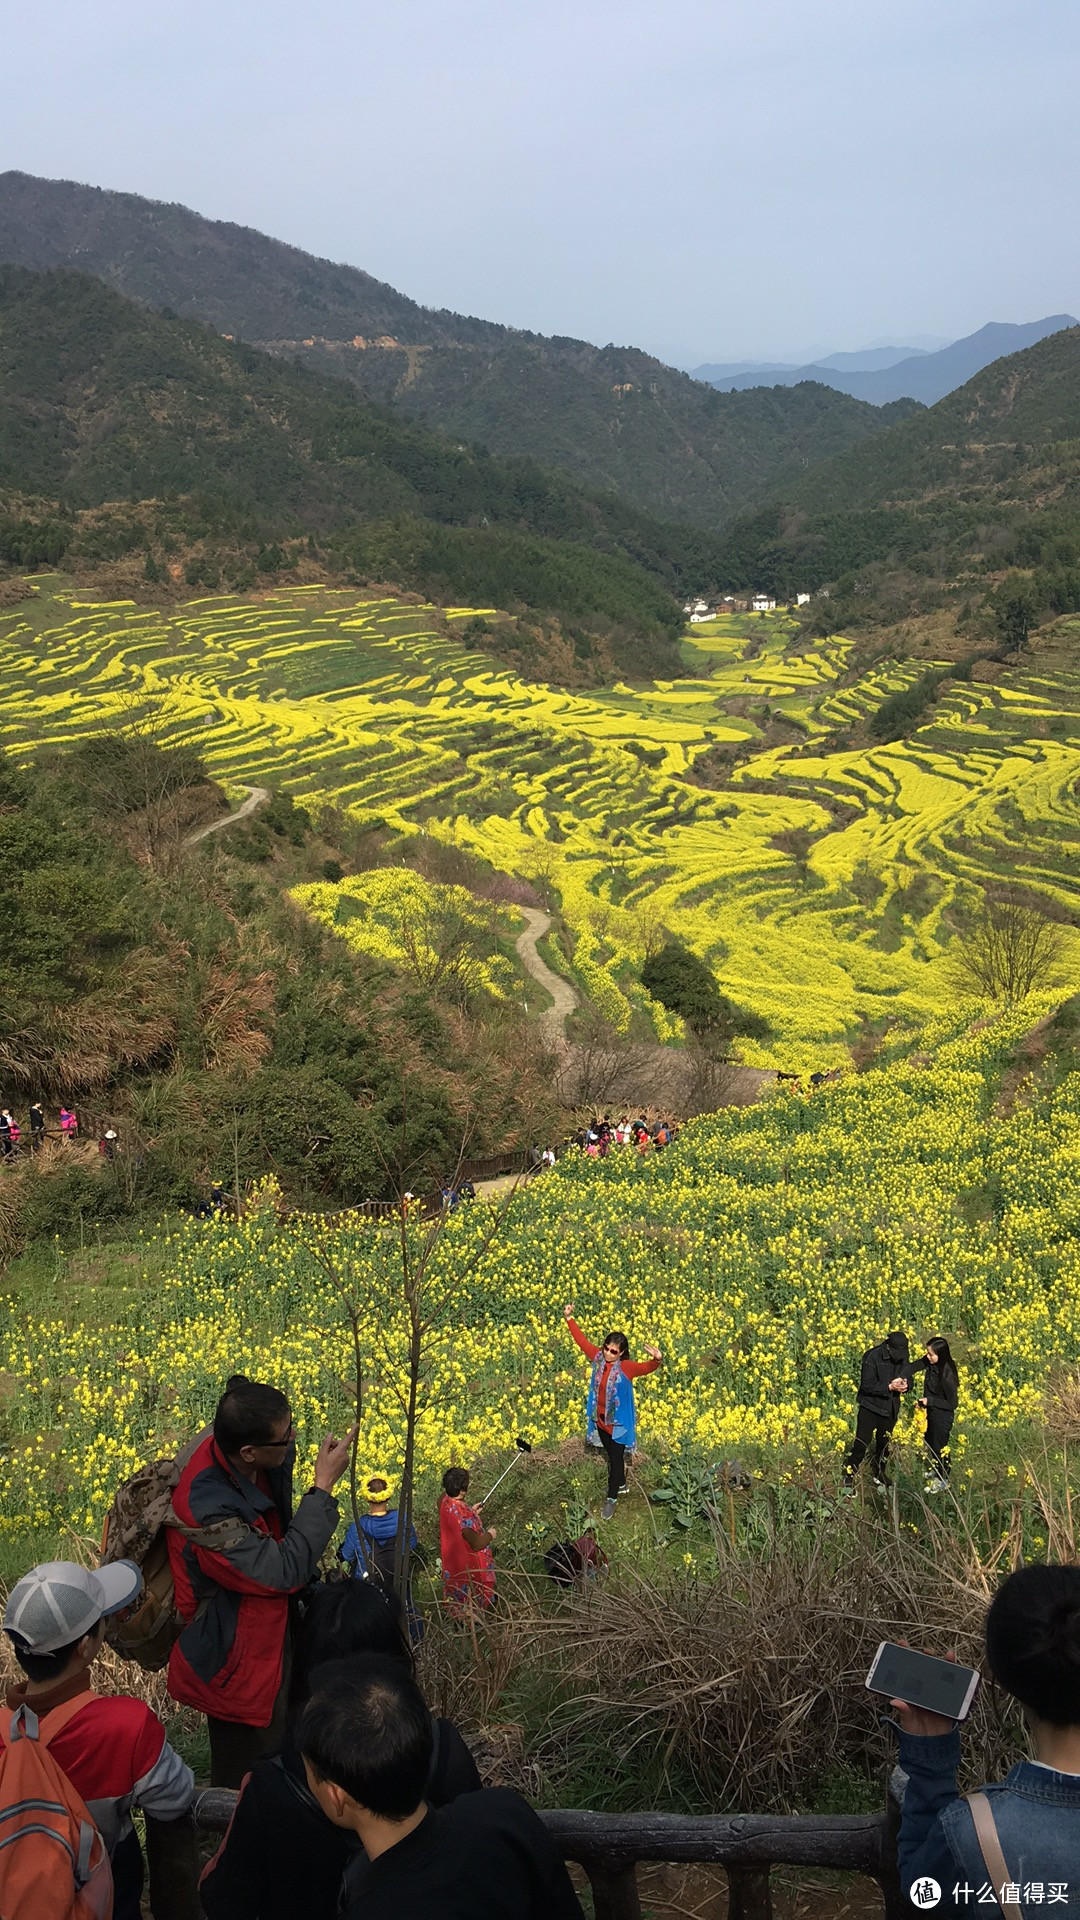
737 1690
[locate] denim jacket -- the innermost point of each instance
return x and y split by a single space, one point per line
1036 1812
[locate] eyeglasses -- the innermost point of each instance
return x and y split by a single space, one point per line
283 1442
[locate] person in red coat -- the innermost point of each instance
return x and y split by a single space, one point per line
231 1661
468 1567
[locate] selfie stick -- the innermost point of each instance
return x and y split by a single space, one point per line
523 1448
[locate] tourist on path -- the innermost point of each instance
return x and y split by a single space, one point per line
1033 1815
281 1858
610 1412
232 1659
367 1743
111 1747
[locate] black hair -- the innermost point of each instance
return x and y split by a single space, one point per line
342 1619
939 1347
454 1481
367 1729
1033 1641
247 1413
621 1340
42 1667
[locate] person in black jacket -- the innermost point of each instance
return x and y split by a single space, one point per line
281 1858
886 1374
366 1741
940 1397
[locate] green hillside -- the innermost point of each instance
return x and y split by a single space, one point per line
935 514
103 402
613 416
824 875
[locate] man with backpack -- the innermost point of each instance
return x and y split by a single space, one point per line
73 1764
231 1661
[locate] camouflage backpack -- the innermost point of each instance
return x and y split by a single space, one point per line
135 1529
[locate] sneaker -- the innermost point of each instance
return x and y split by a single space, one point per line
937 1486
607 1509
623 1490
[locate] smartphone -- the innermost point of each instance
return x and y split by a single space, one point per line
938 1685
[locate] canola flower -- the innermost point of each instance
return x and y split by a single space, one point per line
359 702
764 1250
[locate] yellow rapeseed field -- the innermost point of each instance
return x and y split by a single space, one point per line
763 1251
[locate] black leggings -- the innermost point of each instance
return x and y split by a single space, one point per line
616 1463
870 1426
939 1422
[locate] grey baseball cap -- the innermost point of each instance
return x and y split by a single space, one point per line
57 1603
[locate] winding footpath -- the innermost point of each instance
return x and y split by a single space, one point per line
564 999
255 798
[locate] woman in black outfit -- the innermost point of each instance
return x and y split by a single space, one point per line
941 1393
281 1857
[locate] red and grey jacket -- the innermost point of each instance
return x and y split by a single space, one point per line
228 1659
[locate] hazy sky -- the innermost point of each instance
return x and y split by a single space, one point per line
711 179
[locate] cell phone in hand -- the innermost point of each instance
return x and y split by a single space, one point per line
940 1686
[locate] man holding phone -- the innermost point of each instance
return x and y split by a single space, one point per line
886 1373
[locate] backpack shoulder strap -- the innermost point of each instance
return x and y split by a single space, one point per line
986 1834
436 1749
53 1723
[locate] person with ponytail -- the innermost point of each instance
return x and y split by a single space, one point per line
1022 1832
940 1397
610 1412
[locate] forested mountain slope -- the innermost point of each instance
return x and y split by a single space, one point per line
613 416
103 401
937 511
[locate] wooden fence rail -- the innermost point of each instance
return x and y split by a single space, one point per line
610 1846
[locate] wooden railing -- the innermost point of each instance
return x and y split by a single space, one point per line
611 1846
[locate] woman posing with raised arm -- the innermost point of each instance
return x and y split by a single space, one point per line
610 1414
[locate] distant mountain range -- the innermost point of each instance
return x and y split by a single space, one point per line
934 513
885 374
610 416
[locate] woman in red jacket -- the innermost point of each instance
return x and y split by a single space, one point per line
610 1413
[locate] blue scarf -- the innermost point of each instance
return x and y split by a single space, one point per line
620 1404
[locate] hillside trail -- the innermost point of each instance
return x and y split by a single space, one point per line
564 999
255 798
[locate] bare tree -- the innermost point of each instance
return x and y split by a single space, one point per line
423 1266
712 1078
1010 949
441 944
601 1064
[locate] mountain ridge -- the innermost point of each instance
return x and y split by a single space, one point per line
611 416
926 377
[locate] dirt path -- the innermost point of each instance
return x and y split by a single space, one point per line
564 998
255 798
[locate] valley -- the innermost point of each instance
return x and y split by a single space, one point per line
823 881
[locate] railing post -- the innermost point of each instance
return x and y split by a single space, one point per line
614 1891
749 1894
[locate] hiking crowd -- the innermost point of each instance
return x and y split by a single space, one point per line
13 1138
597 1137
354 1798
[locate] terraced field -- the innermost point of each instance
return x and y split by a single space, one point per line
363 703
